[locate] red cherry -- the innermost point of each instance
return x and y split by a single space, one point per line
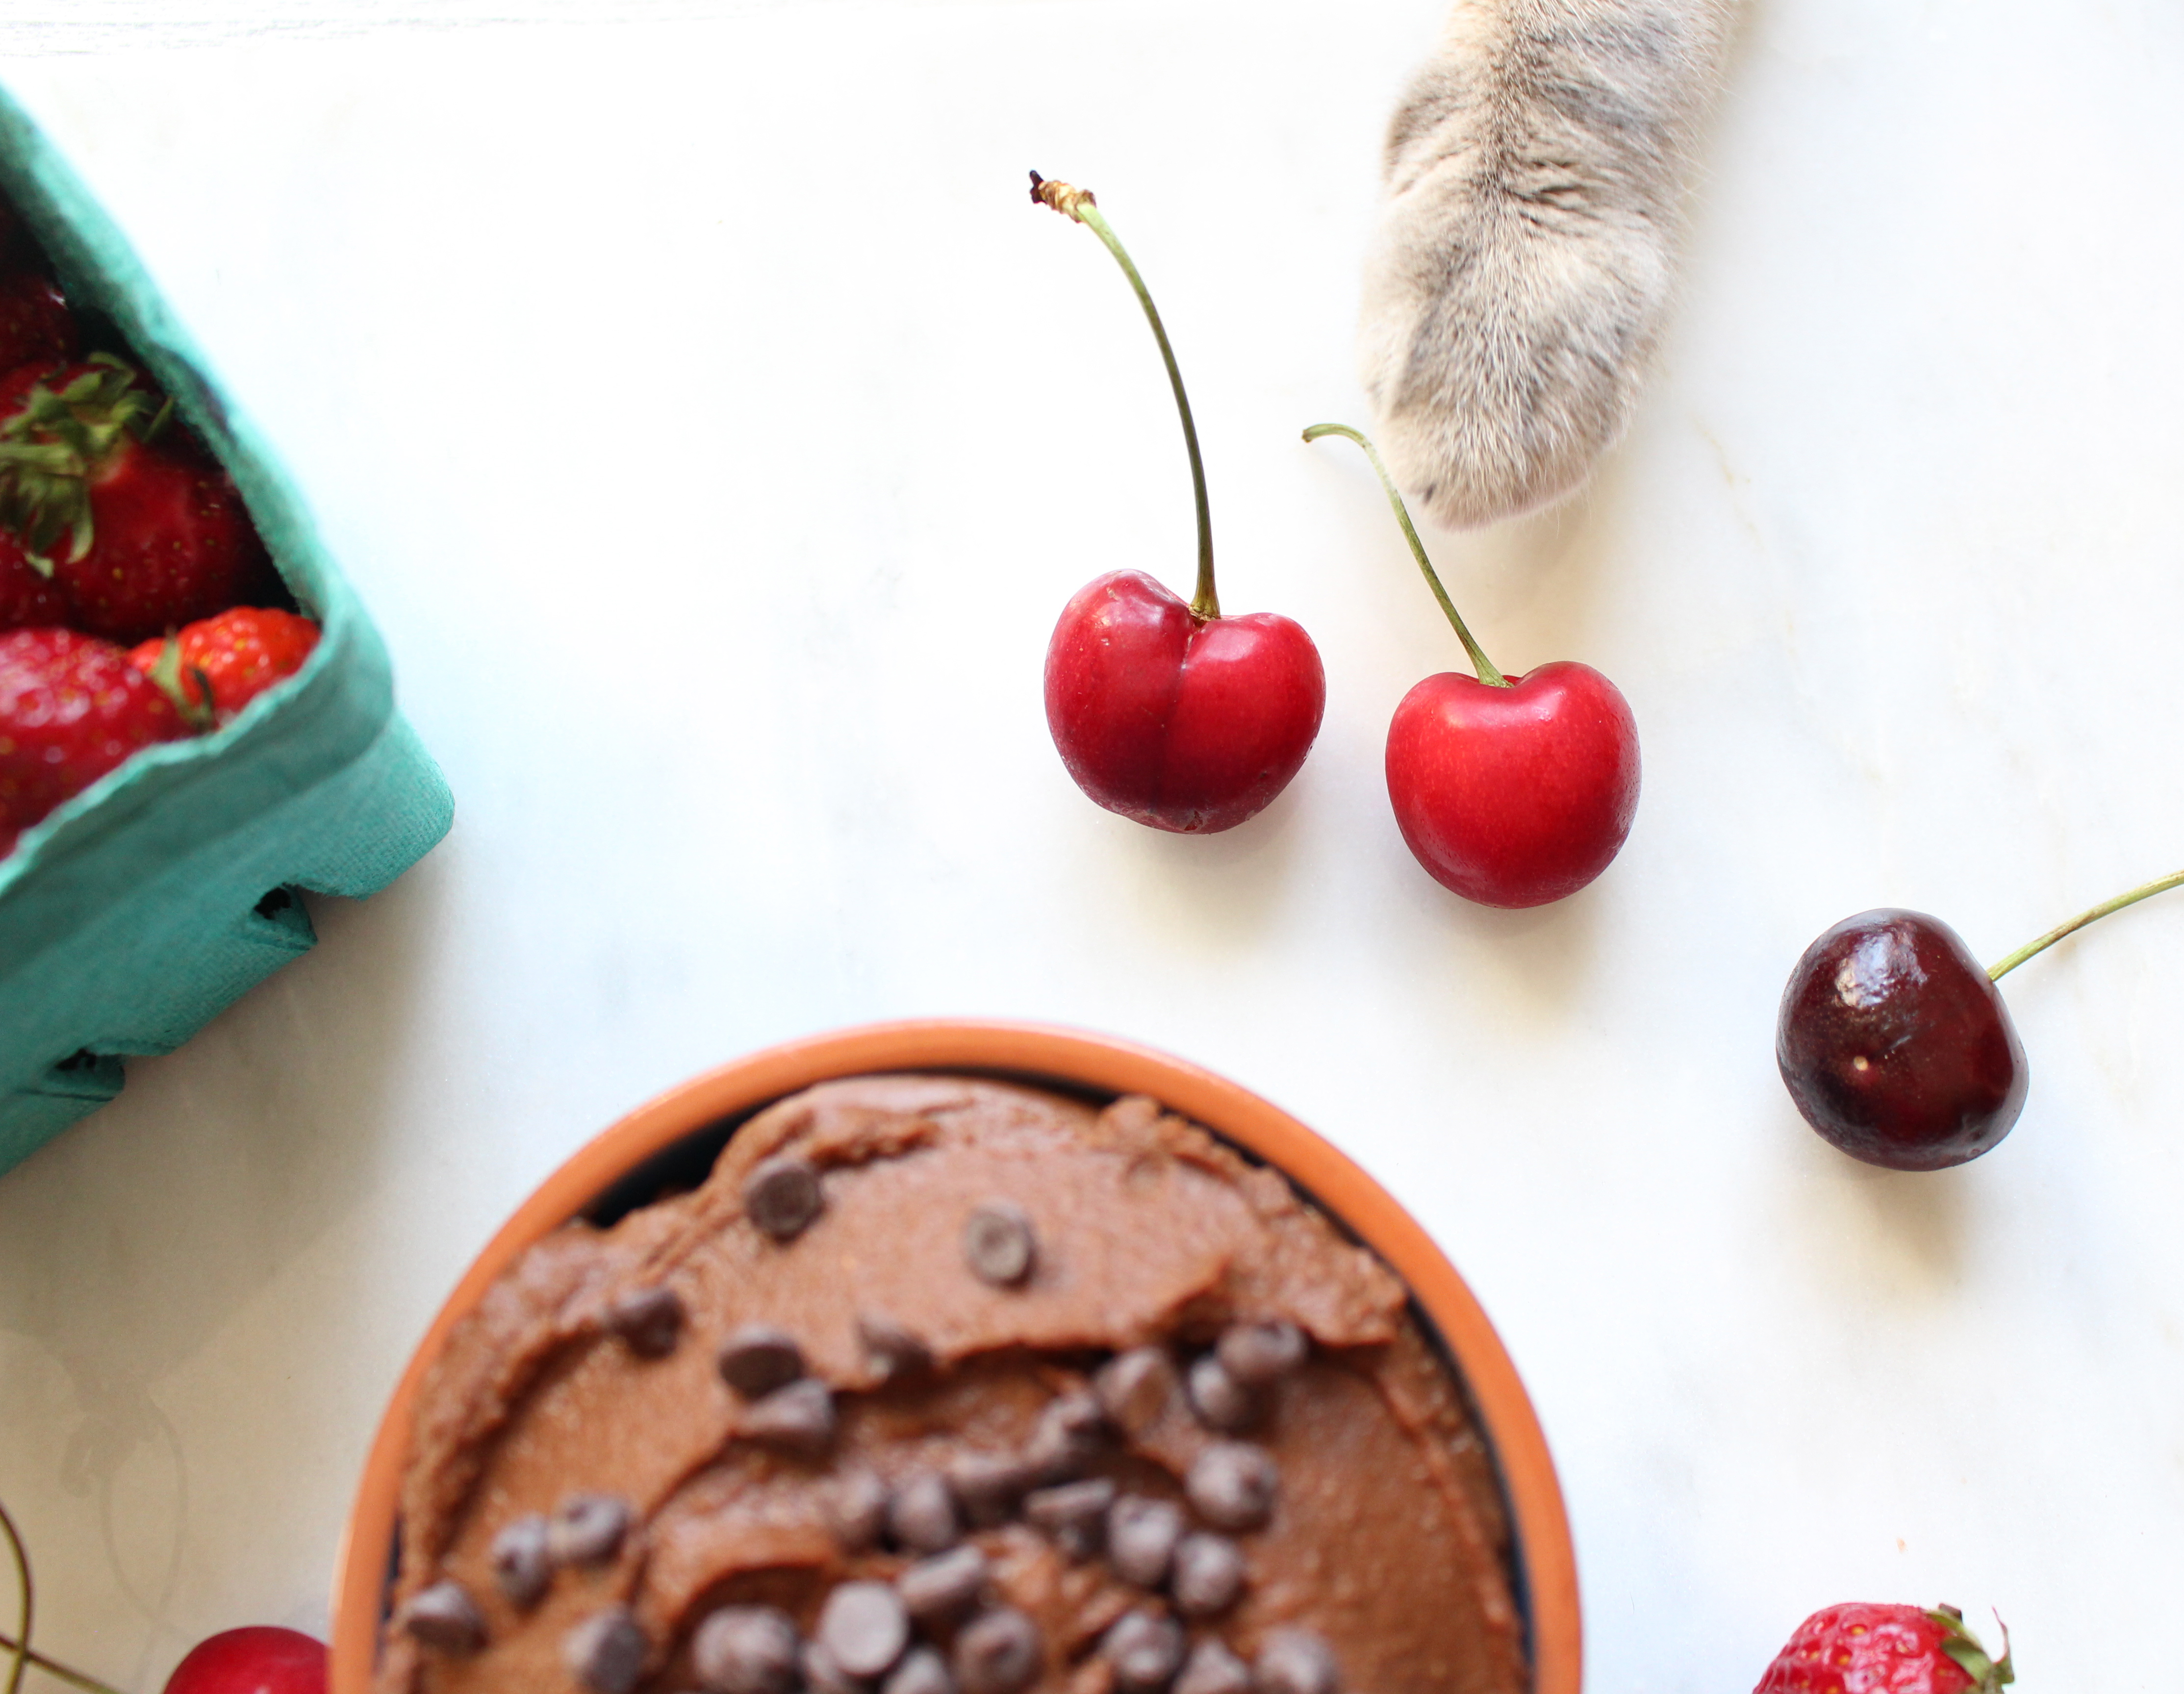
1185 723
257 1660
1514 796
1170 713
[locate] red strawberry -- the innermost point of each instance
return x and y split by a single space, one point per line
239 654
72 707
1859 1649
35 327
141 529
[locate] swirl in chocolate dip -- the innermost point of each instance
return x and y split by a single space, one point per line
947 1386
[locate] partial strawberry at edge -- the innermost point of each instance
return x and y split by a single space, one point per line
1872 1649
141 528
72 707
239 654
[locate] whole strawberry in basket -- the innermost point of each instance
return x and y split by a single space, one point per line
117 504
222 663
72 707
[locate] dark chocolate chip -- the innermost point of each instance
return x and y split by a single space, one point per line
606 1651
1220 1401
648 1320
856 1508
780 1196
1074 1515
1233 1486
1296 1662
523 1561
799 1418
1256 1354
823 1675
586 1529
1141 1537
922 1514
939 1586
998 1243
894 1349
923 1671
759 1358
988 1485
746 1650
444 1617
863 1627
1071 1432
1208 1577
1144 1650
1135 1387
999 1652
1211 1668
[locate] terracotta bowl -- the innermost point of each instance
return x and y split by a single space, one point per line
1546 1569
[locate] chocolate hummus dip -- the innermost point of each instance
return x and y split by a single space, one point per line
943 1386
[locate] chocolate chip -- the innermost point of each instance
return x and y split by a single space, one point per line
799 1418
922 1515
1233 1486
587 1528
1145 1651
823 1675
1296 1662
856 1508
1207 1576
648 1320
780 1196
1211 1668
1256 1354
445 1617
1074 1515
999 1652
1141 1538
1135 1387
746 1650
606 1651
997 1242
1070 1433
522 1563
864 1627
988 1485
894 1349
945 1584
923 1671
759 1358
1220 1401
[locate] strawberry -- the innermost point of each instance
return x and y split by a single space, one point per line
26 599
35 326
238 655
72 707
1859 1649
141 530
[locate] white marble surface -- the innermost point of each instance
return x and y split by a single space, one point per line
714 429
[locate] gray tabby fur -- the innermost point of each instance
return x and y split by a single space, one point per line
1524 262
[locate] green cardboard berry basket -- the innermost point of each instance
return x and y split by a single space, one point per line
141 908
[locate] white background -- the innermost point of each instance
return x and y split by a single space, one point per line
715 429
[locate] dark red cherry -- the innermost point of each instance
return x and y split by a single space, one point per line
1896 1047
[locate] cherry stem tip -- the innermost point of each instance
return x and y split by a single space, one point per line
1480 662
1997 972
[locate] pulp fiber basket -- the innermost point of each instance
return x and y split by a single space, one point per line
145 904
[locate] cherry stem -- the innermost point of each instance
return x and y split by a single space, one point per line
25 1656
1480 662
1078 204
1997 973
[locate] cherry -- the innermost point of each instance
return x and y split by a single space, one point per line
1896 1044
1513 791
257 1660
1171 714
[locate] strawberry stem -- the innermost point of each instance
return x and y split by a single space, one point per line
1997 973
25 1656
1078 204
1480 662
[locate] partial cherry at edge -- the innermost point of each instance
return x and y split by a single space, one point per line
1514 796
1185 723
